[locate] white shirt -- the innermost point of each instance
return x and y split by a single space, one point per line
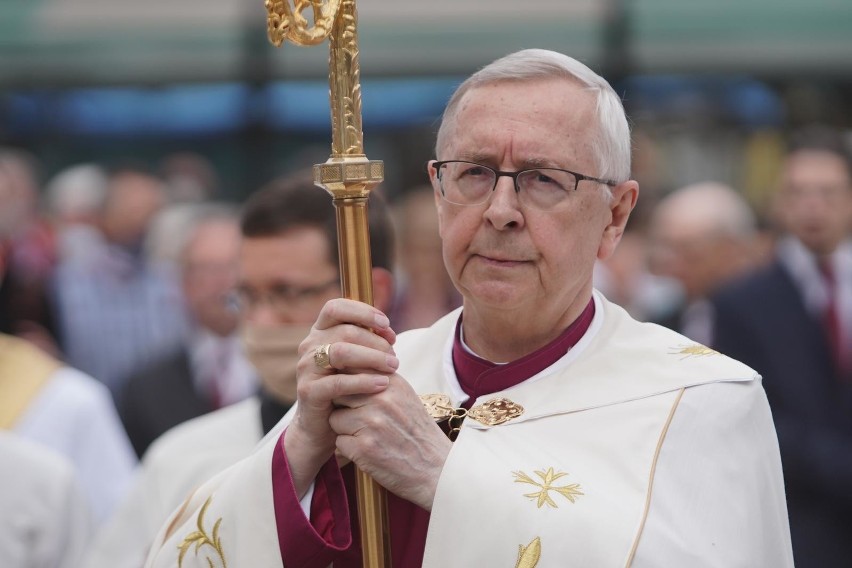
220 360
802 266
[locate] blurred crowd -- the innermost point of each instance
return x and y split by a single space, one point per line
134 300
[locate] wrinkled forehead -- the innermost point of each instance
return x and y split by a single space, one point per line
541 118
815 167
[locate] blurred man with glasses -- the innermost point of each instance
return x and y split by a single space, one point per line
539 425
287 272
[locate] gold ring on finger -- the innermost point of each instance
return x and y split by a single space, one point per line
322 357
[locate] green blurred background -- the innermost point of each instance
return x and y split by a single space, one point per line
711 86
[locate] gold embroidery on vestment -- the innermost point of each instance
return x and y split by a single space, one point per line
651 478
693 350
200 538
529 555
542 497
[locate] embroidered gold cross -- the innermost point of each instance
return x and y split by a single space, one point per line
570 492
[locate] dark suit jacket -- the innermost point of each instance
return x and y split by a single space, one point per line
763 322
160 397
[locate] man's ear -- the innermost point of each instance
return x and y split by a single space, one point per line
624 196
383 289
436 186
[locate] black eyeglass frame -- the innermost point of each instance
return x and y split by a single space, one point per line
578 177
238 300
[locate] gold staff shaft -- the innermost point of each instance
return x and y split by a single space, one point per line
354 244
348 176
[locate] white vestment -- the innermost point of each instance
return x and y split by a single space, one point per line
176 464
44 521
638 448
74 415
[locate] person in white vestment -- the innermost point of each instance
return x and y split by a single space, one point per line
44 519
292 222
539 425
67 411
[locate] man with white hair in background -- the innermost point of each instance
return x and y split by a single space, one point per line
116 311
538 405
207 369
702 236
75 197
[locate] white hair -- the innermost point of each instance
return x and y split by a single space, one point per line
715 207
77 190
173 228
612 142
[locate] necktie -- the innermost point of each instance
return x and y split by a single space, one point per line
831 315
218 376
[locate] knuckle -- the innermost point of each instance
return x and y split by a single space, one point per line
338 387
369 444
304 365
338 353
374 422
307 344
303 391
351 333
334 308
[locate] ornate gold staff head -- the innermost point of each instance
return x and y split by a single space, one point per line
348 172
284 23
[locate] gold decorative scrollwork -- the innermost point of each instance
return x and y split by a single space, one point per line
286 23
492 412
335 20
495 411
344 81
438 406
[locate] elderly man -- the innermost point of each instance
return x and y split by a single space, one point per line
702 236
574 412
207 370
118 312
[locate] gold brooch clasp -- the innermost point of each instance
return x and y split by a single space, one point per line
490 413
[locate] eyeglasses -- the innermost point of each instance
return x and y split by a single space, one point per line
280 298
469 183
